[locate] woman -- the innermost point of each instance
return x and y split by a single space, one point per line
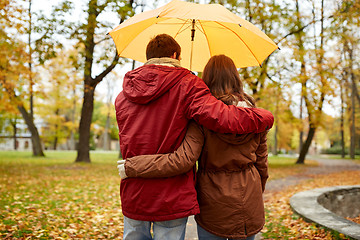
232 169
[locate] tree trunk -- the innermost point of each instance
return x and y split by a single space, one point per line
306 146
342 121
56 129
83 154
303 78
353 105
55 143
30 64
301 137
275 152
72 134
106 145
352 127
35 138
15 134
342 138
314 114
90 83
356 93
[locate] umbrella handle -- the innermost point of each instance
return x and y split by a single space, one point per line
192 41
193 30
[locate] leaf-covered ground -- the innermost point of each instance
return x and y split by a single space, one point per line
357 219
53 198
282 223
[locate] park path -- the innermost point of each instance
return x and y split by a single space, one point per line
326 166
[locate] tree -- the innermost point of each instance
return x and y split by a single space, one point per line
90 83
342 119
285 122
9 119
18 22
59 99
265 15
109 112
313 104
12 70
275 19
103 126
347 21
301 58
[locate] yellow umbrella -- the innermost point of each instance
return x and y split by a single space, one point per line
202 30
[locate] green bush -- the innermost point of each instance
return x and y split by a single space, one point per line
337 150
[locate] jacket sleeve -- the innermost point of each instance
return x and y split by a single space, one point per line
219 117
261 163
171 164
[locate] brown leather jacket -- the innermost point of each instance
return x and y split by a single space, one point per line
231 177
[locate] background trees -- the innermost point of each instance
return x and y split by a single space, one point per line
15 77
60 101
308 34
315 72
87 36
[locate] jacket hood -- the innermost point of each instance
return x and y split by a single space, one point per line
149 82
236 139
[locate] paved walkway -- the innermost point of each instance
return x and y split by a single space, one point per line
326 166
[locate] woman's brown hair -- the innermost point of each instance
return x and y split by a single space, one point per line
222 78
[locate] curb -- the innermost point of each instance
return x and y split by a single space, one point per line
306 205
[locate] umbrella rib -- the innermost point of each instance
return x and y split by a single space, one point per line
200 29
241 40
135 37
179 31
206 37
158 22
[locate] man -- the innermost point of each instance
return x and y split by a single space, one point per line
152 111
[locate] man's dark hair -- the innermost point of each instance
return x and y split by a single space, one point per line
162 45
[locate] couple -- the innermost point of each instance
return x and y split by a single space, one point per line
167 111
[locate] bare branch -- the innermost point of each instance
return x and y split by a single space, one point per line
104 39
100 77
296 31
302 28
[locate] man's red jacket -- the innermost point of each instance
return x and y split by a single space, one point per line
152 113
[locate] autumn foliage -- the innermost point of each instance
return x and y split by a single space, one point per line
54 198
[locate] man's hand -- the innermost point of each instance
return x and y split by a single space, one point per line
121 167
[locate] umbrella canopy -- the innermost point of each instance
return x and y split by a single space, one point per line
202 30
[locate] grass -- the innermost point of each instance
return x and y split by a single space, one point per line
337 156
280 167
53 197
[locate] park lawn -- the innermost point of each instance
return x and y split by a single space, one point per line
337 156
280 167
53 197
